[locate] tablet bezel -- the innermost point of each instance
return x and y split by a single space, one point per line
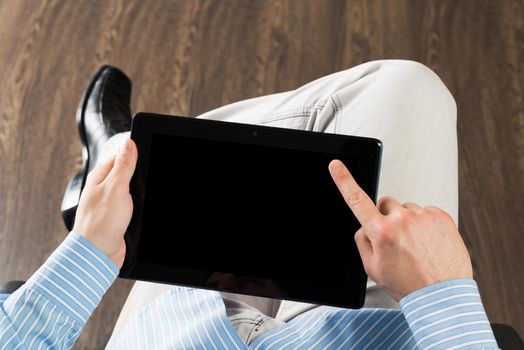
144 125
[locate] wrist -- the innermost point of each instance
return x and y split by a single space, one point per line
99 247
447 314
114 249
75 277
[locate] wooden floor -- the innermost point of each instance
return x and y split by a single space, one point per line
186 57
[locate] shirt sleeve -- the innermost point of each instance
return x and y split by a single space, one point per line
448 315
51 308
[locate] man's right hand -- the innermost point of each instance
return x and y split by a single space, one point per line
403 247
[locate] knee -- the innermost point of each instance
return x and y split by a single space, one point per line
416 83
407 92
419 76
395 81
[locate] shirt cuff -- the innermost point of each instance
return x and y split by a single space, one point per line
75 277
448 315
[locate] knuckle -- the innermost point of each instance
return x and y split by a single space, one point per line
123 162
441 214
370 269
111 183
385 238
414 206
416 211
446 217
379 225
429 208
354 197
383 232
434 210
403 216
359 235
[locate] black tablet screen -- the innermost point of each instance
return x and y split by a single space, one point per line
246 209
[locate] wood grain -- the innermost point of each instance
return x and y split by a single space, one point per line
186 57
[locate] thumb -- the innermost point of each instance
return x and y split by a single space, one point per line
364 248
125 163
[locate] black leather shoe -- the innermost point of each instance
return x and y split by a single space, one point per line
104 111
10 287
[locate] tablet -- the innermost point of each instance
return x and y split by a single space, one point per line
247 209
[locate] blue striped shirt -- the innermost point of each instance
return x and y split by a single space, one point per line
50 310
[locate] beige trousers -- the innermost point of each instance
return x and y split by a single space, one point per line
402 103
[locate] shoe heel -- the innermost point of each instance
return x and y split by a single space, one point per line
71 199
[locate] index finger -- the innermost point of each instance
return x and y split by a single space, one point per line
357 200
100 172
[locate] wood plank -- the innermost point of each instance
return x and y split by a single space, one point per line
186 57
